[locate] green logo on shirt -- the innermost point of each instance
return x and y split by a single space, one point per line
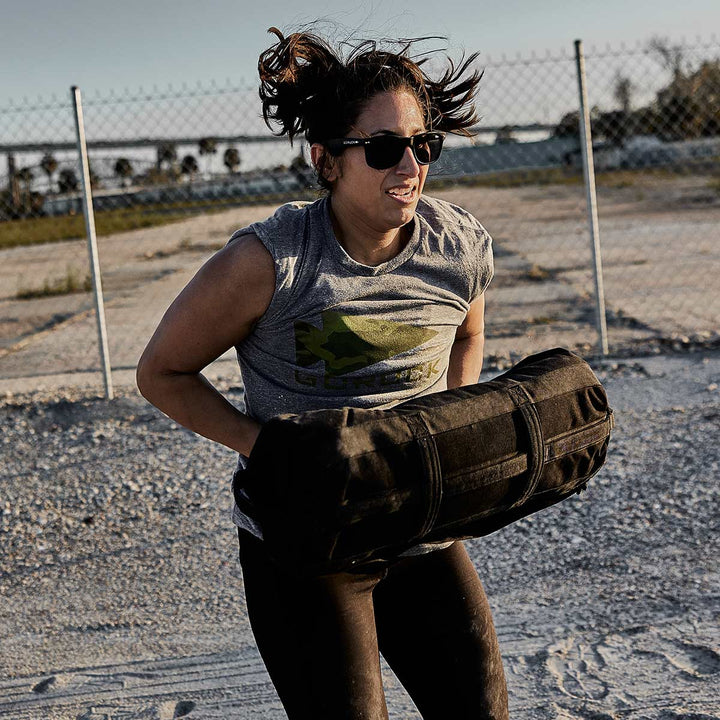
350 342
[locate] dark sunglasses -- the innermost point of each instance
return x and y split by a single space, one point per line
384 151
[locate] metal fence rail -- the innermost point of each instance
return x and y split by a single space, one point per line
174 172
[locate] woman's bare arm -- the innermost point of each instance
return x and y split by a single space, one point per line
217 309
466 356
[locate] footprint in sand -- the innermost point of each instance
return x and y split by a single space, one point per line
576 668
164 711
695 660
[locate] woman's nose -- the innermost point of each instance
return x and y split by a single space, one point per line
408 165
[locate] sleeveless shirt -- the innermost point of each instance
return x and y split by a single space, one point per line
338 333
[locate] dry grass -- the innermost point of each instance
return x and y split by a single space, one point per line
68 284
31 231
34 231
537 273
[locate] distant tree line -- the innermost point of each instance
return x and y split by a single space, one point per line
688 107
20 200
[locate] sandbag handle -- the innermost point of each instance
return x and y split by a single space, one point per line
433 472
536 448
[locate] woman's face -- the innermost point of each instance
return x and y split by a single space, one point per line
381 199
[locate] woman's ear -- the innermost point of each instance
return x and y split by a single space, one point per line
327 166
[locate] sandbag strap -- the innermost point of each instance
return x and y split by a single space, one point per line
536 443
580 439
432 484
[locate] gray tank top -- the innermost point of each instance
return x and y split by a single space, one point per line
338 333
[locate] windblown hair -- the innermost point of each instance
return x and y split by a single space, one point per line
308 87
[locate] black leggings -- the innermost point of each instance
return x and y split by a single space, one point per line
427 614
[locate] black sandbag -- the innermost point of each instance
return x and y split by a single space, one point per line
334 489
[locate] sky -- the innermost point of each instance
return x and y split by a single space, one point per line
46 46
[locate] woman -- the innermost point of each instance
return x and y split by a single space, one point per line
367 297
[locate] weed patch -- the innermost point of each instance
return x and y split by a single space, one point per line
537 273
37 230
67 285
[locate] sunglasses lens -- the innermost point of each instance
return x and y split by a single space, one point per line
422 152
385 151
428 148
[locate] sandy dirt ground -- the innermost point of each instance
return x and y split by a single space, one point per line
122 597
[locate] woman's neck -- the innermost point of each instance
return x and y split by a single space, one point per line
365 244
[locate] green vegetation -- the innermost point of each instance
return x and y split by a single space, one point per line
509 179
569 176
67 285
31 231
684 109
38 230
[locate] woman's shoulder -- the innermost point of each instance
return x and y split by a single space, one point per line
244 263
281 228
279 245
446 217
458 236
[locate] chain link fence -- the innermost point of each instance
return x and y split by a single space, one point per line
176 171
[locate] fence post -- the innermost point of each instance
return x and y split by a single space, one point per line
589 173
92 241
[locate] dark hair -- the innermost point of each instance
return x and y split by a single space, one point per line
307 87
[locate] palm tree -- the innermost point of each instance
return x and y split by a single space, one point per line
26 177
189 166
505 135
622 91
300 169
95 180
124 170
49 165
231 159
67 181
207 146
166 153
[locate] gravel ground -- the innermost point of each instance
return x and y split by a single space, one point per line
122 596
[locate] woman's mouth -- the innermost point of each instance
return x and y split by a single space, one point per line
403 195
